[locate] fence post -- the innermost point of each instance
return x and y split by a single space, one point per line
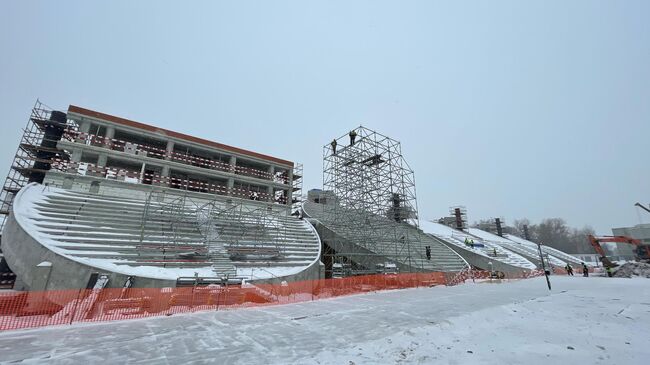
74 308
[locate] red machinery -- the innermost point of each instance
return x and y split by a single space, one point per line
642 250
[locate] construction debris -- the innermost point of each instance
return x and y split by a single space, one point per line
630 269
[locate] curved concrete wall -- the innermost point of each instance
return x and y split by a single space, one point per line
23 254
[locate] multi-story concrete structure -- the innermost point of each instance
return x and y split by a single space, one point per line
640 231
91 195
119 149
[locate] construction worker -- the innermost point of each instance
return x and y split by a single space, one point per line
466 241
569 270
353 136
494 251
585 270
609 271
333 144
471 243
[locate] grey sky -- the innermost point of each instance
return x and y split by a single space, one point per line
512 108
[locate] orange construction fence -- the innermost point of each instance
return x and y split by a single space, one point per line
57 307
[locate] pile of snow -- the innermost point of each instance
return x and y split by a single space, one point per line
630 269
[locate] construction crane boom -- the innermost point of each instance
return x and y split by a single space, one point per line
642 207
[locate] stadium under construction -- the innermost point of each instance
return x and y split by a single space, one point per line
97 201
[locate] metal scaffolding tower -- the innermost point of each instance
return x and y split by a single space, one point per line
459 214
373 193
296 189
36 153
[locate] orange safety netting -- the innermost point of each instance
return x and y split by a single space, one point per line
56 307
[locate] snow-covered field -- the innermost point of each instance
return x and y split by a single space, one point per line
583 320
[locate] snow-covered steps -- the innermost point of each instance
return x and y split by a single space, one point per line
160 239
481 252
529 251
565 257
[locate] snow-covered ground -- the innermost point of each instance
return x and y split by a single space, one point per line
583 320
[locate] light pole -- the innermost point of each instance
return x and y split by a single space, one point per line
541 258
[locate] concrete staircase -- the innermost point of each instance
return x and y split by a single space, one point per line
484 248
565 257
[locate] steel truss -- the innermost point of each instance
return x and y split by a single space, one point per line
373 189
35 154
216 231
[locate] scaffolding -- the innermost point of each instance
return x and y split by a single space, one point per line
296 188
459 215
215 232
35 154
370 193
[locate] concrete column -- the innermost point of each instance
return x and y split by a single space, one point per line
42 276
75 156
269 189
164 176
110 133
271 170
231 181
144 165
233 163
231 184
84 128
101 160
169 150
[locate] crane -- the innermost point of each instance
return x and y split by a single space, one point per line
642 207
642 250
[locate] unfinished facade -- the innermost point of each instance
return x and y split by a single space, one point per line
118 196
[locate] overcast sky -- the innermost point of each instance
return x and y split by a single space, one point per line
512 108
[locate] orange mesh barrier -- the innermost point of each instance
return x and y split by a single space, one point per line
57 307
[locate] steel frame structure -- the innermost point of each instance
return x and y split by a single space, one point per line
459 213
30 151
226 228
373 189
296 188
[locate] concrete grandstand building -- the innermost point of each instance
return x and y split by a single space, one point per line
97 200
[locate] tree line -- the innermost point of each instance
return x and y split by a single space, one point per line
553 232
